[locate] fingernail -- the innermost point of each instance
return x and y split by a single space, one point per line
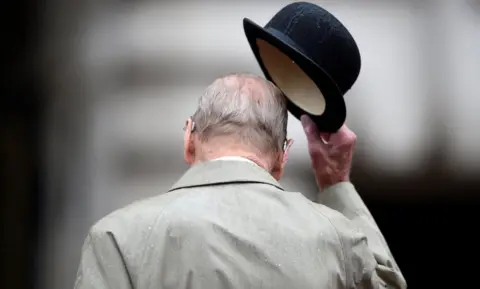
325 136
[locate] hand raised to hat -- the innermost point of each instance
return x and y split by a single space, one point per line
331 154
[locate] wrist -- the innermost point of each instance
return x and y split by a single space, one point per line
326 183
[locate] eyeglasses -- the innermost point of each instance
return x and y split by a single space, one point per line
193 126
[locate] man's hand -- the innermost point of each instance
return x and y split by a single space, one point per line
331 154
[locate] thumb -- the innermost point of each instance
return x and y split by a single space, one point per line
310 128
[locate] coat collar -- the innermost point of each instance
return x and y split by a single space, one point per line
224 171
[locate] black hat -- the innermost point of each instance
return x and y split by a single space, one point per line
311 57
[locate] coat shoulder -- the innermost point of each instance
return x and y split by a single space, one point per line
136 216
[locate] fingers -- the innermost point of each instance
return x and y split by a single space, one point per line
320 158
321 142
331 154
325 136
344 136
318 150
317 146
310 128
314 135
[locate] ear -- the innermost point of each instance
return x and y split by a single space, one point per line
280 166
188 144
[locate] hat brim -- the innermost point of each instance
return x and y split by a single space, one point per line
334 114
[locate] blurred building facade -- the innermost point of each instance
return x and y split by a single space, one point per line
124 77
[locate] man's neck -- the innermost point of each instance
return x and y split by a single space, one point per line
238 155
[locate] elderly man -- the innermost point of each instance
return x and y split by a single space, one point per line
228 223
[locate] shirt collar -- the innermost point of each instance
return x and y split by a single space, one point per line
234 158
224 171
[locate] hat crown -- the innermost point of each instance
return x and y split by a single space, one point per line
321 37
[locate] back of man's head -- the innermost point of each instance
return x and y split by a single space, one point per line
242 110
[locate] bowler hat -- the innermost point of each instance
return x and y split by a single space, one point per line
312 57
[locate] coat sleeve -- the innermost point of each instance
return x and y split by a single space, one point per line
369 262
102 265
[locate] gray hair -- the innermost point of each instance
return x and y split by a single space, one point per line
246 107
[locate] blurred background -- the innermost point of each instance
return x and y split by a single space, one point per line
94 95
